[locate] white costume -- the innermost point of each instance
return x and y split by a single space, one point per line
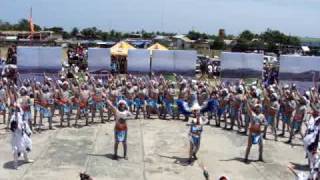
20 141
310 142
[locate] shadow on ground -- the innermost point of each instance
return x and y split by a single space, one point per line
177 160
9 165
300 167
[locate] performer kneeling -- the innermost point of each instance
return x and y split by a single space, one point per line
20 141
196 127
121 129
256 119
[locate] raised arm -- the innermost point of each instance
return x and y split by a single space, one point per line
110 104
248 106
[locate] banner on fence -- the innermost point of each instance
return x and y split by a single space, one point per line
176 61
39 59
299 68
139 61
99 59
241 65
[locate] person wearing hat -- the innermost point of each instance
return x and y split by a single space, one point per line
168 100
139 101
271 106
46 101
20 141
98 100
223 98
36 88
298 117
236 101
84 96
183 100
311 143
64 102
75 101
254 137
252 98
289 105
152 101
196 128
211 107
130 94
121 114
24 102
3 101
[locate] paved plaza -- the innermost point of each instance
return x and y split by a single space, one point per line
158 149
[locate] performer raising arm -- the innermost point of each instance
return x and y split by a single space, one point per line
121 129
256 119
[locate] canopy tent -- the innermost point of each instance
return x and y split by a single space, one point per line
119 55
121 49
157 46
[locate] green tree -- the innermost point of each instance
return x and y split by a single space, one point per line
247 35
5 26
57 30
74 32
241 45
24 25
276 39
195 35
90 33
218 44
66 35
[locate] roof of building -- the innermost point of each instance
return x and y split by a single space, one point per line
183 37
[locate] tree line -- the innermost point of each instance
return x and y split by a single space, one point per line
90 33
270 40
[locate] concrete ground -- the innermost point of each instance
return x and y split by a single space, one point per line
158 150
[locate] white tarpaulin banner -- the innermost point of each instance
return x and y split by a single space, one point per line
301 68
99 59
139 60
39 59
185 61
162 61
176 61
241 65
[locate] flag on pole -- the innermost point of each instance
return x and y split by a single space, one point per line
31 23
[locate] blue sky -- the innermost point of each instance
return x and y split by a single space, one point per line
295 17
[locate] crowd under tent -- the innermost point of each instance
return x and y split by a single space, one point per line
119 55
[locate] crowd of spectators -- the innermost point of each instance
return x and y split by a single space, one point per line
78 56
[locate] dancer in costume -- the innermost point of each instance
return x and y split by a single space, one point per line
20 141
256 120
196 128
121 113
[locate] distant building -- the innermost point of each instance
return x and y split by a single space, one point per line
182 42
17 35
201 44
222 33
165 40
139 42
25 38
310 42
229 42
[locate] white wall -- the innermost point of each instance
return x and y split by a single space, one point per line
39 59
177 61
233 60
99 59
299 64
139 60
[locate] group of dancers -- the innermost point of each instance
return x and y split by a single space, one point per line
251 108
